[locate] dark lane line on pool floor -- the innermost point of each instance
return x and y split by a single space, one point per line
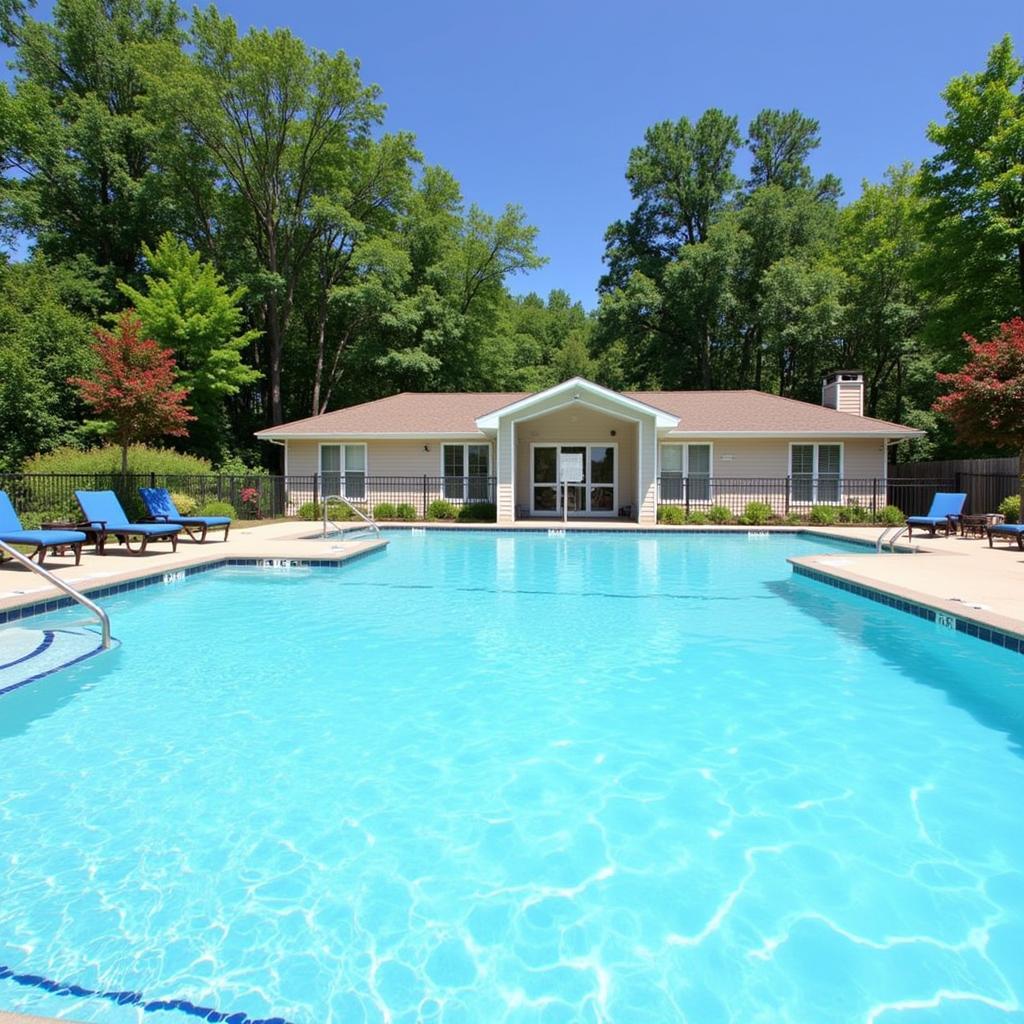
556 593
58 988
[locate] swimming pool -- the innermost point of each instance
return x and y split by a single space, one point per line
507 777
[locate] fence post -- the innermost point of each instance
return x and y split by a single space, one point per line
787 495
874 498
316 488
424 495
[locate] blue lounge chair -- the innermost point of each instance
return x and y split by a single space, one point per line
161 508
944 505
103 515
12 533
1010 531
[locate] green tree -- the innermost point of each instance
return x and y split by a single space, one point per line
78 148
186 307
270 116
880 245
44 340
974 187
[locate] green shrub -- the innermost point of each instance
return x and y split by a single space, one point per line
314 511
478 512
719 515
697 519
671 515
854 512
235 465
405 512
824 515
792 519
891 516
757 513
185 503
384 510
441 509
218 508
107 461
1010 507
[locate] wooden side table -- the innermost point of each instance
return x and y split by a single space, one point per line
97 537
977 525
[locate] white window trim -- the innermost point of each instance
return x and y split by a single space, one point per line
558 446
343 444
685 445
816 445
465 446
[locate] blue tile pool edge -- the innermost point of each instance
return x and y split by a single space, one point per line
25 611
969 627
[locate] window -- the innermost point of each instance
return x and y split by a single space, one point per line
343 469
686 472
467 471
816 471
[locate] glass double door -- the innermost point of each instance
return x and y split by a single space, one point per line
594 495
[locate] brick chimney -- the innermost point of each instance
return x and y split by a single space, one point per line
843 390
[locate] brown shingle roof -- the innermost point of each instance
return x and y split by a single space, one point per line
746 412
704 412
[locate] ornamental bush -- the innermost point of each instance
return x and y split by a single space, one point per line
891 516
1010 508
405 512
719 515
218 508
478 512
107 461
757 513
441 509
854 512
185 503
384 510
697 519
824 515
671 515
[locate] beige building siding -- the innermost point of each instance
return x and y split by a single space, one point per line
767 459
506 498
405 459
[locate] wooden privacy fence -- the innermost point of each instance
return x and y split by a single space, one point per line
986 482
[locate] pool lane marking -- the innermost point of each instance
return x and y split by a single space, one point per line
135 999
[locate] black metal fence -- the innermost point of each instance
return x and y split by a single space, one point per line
986 482
41 497
797 495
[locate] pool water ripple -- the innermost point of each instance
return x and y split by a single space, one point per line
464 781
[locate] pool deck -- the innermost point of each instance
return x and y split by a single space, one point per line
960 576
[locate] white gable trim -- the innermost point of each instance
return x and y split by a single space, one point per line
574 389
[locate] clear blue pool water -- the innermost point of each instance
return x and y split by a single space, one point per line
512 778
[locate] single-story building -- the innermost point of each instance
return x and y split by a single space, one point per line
627 451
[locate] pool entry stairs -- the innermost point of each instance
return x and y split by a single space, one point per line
29 653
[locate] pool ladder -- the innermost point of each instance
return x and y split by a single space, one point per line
883 537
362 515
56 581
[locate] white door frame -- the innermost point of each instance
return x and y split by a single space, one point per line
587 445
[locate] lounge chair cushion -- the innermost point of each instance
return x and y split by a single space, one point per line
1012 529
43 538
200 520
160 505
12 533
928 520
103 507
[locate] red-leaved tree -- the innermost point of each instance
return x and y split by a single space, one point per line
986 396
134 386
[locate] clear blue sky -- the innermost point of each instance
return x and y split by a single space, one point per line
539 102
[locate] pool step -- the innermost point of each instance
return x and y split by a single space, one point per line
28 654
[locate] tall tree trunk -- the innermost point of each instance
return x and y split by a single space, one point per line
274 348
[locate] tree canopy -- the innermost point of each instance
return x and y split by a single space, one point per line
243 191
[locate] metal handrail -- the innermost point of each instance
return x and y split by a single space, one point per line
362 515
900 529
56 581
